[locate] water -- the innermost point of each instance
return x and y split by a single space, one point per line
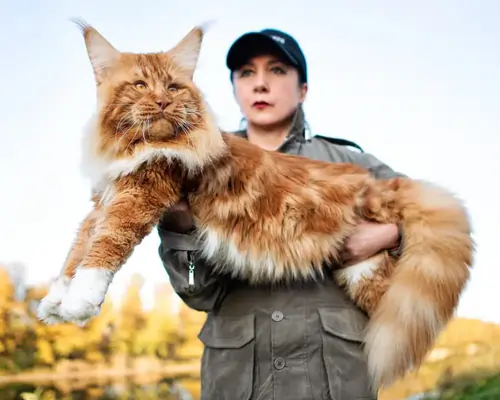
165 389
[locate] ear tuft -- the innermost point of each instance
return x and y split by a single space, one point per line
81 23
206 26
186 53
101 53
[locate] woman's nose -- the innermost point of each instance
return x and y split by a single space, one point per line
261 83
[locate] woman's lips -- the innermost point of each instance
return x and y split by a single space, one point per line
260 105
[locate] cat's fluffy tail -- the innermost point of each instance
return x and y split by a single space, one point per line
428 279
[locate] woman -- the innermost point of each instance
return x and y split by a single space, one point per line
286 343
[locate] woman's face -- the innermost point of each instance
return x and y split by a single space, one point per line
267 90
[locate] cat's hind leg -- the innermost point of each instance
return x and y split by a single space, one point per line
367 281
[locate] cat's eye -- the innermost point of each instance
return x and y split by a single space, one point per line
173 88
140 85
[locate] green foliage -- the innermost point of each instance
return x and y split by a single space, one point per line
480 385
464 347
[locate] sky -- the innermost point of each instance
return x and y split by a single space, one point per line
416 84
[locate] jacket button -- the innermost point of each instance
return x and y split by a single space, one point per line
279 363
277 316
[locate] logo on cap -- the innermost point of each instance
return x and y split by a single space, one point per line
278 39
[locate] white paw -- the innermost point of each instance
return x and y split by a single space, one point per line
48 310
86 293
53 318
78 309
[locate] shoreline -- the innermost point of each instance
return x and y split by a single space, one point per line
47 377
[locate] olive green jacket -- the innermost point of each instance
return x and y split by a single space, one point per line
281 343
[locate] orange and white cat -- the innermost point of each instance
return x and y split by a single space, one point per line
262 216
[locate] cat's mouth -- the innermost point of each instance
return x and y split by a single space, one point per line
158 124
147 116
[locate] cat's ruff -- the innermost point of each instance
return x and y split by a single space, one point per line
262 216
102 169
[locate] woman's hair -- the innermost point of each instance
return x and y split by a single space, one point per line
264 48
267 41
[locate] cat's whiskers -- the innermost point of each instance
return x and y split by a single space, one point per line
114 105
132 139
127 107
185 126
191 125
125 133
186 130
119 135
193 111
125 118
143 126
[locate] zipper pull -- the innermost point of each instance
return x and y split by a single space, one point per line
191 273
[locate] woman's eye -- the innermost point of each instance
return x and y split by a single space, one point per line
278 70
245 72
140 85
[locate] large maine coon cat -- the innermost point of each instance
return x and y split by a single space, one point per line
262 216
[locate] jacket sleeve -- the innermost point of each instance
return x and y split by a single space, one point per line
374 165
380 171
189 274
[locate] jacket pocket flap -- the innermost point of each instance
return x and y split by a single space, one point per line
227 332
345 323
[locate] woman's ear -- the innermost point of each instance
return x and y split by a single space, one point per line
303 91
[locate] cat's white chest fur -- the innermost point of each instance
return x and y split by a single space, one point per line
93 166
102 169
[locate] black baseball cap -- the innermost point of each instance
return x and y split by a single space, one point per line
253 43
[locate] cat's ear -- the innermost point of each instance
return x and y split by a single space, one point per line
185 54
101 53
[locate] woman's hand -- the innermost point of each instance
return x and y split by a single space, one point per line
368 239
178 219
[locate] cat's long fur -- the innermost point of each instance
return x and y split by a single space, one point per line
263 216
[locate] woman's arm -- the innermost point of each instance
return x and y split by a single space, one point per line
190 276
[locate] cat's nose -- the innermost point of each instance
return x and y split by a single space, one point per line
162 103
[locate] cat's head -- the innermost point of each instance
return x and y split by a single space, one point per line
148 100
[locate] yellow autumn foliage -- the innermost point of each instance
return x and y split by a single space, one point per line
124 330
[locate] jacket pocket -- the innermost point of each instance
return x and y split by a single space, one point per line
343 356
228 357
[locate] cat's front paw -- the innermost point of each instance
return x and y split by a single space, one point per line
85 295
48 309
78 310
48 312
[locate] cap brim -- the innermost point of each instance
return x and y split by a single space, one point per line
251 44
